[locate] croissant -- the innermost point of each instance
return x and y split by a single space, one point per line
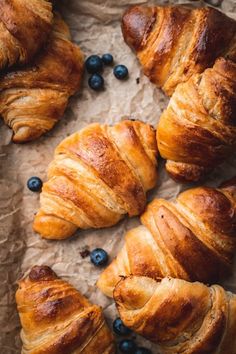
191 238
97 176
197 131
180 316
33 99
24 29
56 318
174 42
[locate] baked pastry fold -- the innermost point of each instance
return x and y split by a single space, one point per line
56 318
180 316
197 131
174 42
98 175
34 98
24 29
192 238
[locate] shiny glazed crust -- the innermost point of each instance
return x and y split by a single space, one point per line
97 176
33 99
174 42
24 29
197 131
56 318
180 316
192 238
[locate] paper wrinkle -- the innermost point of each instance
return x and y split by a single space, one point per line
95 26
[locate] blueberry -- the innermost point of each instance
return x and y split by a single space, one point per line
94 64
34 184
107 59
96 82
142 350
99 257
120 72
127 346
119 328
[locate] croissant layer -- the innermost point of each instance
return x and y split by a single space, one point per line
24 29
56 318
97 176
191 238
180 316
33 99
197 131
174 42
191 55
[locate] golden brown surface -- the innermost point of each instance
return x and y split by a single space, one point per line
97 176
174 42
180 316
197 131
33 99
24 29
57 319
192 238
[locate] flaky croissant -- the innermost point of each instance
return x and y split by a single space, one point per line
197 131
97 176
56 318
174 42
192 238
33 99
180 316
24 29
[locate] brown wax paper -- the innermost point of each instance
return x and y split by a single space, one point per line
95 26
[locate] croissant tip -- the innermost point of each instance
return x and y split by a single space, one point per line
137 22
186 172
133 291
43 272
25 134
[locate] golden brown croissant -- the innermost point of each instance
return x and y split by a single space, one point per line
56 318
33 99
97 176
24 28
197 131
174 42
182 317
192 238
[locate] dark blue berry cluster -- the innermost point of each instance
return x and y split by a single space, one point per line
94 66
127 345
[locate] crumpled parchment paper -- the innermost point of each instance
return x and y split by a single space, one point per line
95 27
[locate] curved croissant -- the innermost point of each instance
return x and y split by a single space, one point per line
192 238
181 317
197 131
33 99
174 42
56 318
24 28
97 176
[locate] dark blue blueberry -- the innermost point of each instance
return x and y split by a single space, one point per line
107 59
119 328
96 82
120 72
35 184
99 257
94 64
142 350
127 346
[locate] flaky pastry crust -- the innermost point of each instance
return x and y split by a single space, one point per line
56 318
